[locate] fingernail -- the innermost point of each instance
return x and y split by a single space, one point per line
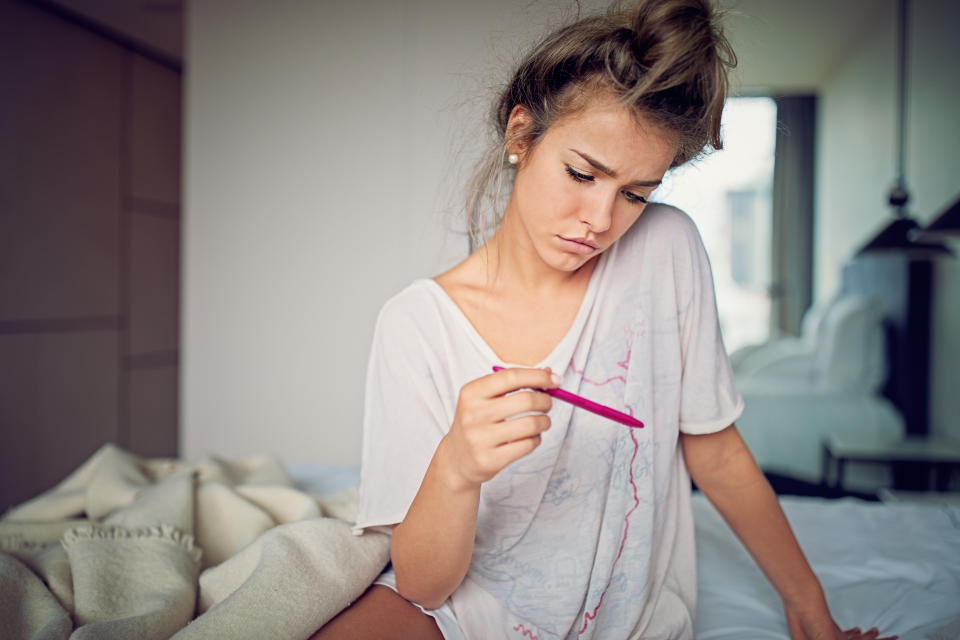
557 380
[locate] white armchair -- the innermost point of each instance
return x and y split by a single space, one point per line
827 381
787 353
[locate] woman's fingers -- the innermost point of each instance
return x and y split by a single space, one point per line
507 380
510 452
487 413
519 403
503 394
519 428
492 448
514 417
499 419
870 634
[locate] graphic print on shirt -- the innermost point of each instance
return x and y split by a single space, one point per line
526 633
593 443
632 332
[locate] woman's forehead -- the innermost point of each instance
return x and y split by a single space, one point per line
613 133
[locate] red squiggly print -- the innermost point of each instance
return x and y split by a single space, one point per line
588 616
526 633
635 330
595 382
632 333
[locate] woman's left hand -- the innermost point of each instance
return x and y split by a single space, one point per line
806 626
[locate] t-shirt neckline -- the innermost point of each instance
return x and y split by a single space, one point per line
559 356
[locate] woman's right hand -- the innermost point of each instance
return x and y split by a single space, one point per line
432 547
485 436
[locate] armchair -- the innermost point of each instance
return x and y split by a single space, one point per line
826 381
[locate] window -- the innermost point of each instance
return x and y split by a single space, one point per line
729 195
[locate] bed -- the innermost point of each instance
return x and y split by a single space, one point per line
261 524
893 566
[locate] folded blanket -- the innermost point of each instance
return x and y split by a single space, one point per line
127 547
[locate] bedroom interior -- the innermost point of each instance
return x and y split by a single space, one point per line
185 182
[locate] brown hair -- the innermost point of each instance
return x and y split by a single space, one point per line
665 59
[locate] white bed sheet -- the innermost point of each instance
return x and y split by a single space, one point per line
894 566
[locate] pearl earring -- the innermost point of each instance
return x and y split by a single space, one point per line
513 158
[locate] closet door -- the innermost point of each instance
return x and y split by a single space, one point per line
89 249
151 270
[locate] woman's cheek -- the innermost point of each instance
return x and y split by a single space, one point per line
566 203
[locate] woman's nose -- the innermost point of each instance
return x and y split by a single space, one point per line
598 215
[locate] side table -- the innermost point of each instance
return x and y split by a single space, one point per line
937 456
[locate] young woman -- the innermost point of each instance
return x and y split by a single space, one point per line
514 516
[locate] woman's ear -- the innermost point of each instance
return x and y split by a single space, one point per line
519 130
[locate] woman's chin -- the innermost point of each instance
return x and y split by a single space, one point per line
569 262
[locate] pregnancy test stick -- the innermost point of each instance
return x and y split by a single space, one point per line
590 405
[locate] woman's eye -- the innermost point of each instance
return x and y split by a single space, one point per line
633 197
579 177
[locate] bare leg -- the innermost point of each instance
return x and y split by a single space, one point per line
382 614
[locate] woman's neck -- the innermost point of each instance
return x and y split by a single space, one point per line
514 265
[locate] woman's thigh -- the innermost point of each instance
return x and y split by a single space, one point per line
380 613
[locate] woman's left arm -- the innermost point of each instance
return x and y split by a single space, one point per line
724 470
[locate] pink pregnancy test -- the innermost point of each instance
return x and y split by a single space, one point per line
590 405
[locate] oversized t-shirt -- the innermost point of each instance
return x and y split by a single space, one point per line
591 535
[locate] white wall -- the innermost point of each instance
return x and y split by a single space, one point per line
320 137
855 163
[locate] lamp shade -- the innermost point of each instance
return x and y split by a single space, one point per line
948 222
904 234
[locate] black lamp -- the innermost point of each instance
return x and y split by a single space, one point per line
906 235
903 234
896 267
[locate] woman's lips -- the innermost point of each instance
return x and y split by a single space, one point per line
577 245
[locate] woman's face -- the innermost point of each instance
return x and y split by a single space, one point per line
586 181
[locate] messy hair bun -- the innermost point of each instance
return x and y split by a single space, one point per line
665 59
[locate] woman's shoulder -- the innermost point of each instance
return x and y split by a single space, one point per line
661 227
412 305
412 294
660 215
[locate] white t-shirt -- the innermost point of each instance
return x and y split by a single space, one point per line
592 534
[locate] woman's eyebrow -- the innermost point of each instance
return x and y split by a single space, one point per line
599 166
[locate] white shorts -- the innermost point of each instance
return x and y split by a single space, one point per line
446 620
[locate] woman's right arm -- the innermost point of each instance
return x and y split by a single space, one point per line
431 548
